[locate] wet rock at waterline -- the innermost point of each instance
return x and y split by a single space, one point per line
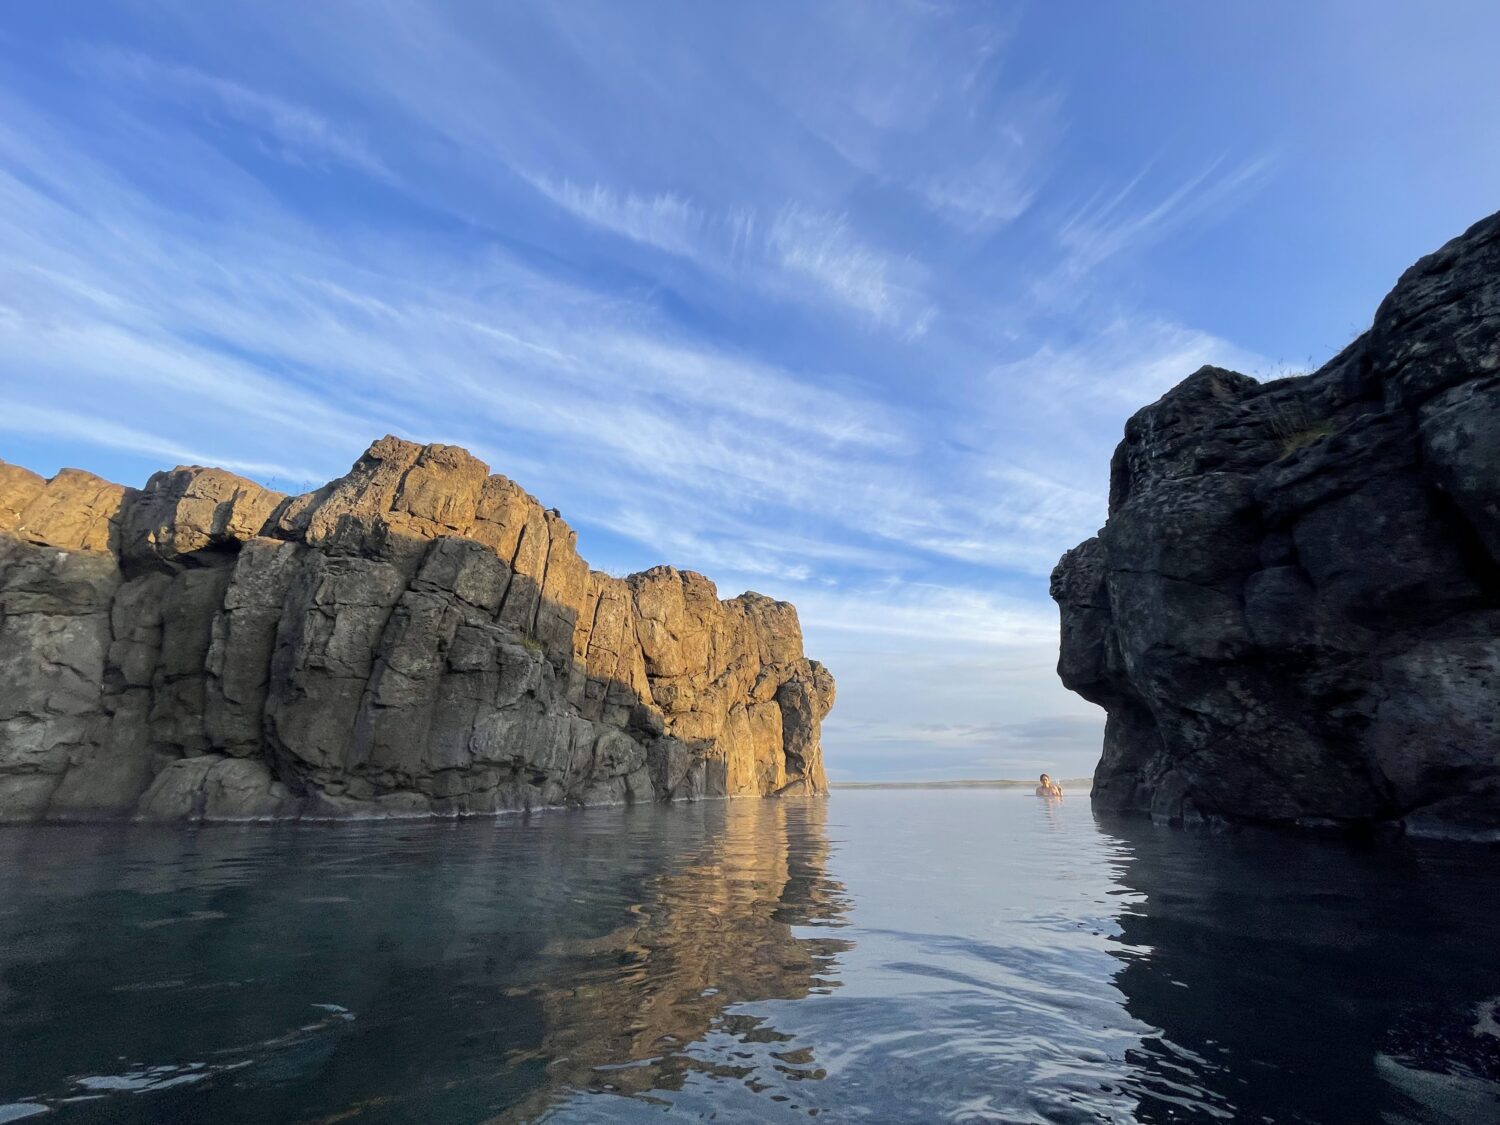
417 637
1293 612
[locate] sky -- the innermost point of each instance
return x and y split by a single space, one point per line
844 303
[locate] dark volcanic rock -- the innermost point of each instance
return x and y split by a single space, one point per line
1293 612
416 637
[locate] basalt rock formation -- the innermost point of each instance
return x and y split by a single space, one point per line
1293 611
415 637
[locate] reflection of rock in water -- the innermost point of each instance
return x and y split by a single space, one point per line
1286 979
621 1011
468 956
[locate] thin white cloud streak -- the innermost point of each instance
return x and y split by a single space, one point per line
1107 226
789 233
928 612
675 528
1048 423
991 194
1128 363
824 249
997 171
797 251
665 221
915 97
295 133
90 429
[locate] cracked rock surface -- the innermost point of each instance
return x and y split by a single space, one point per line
417 637
1293 611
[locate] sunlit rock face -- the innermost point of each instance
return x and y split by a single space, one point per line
416 637
1293 612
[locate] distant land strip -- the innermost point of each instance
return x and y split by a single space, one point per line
967 783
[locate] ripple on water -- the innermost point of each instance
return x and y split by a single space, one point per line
880 957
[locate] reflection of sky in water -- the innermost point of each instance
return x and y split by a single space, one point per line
883 956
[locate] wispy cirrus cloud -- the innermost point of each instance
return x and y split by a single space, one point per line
288 130
823 249
935 611
995 172
1111 223
699 435
928 103
392 345
796 251
665 220
92 429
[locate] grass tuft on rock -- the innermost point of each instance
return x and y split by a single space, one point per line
1299 439
1295 427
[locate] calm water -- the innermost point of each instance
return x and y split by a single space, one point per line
883 956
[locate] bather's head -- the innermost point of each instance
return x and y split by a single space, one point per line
1046 780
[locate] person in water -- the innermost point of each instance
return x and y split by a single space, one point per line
1049 789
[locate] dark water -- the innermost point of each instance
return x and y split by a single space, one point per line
883 956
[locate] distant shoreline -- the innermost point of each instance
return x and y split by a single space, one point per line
967 783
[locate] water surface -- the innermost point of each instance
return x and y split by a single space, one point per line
883 956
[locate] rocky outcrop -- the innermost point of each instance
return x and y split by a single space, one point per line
1293 612
417 637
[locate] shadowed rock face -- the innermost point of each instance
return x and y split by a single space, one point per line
416 637
1293 612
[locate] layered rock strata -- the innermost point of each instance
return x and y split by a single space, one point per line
417 637
1293 611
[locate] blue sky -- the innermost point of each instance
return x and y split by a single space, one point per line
843 303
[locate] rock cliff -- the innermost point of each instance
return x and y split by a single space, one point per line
415 637
1293 611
